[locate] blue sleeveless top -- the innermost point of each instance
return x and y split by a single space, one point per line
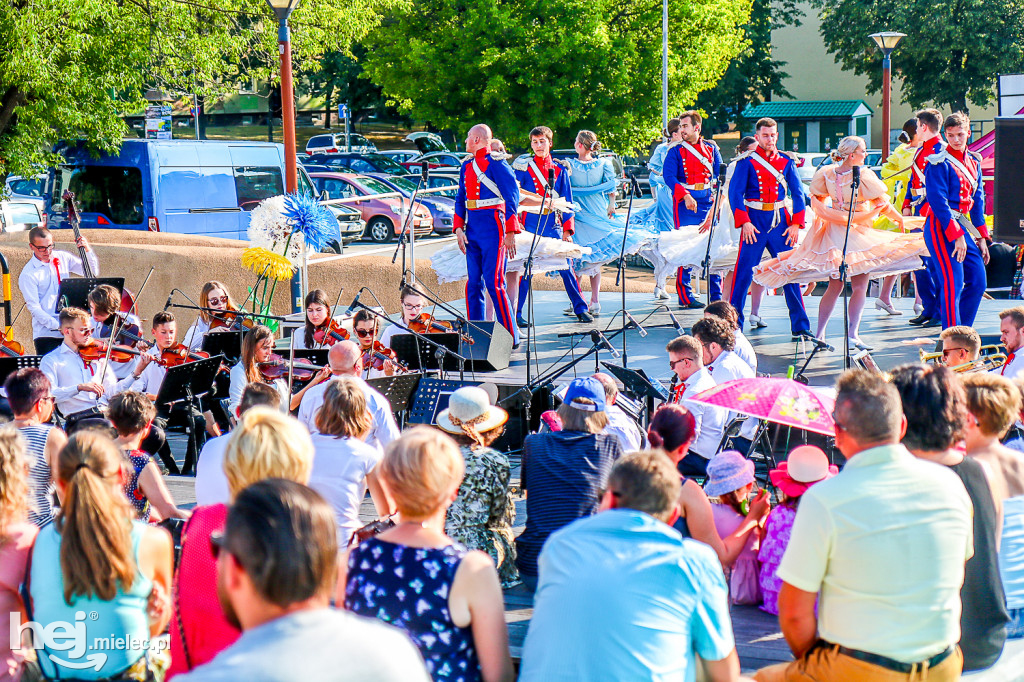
113 633
1011 552
408 587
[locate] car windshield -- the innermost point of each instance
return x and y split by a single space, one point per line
23 212
112 191
403 184
384 163
374 186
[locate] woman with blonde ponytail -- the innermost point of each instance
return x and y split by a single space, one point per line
16 537
96 559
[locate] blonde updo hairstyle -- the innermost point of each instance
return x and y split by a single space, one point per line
267 444
588 139
422 470
848 145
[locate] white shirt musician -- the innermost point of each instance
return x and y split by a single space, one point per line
40 281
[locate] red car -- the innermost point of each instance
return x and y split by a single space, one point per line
384 217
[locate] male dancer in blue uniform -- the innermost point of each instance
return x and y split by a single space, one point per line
916 203
691 169
486 225
757 194
532 175
956 234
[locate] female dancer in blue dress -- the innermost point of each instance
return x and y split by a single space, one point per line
593 191
658 216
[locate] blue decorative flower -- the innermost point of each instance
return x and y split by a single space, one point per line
313 221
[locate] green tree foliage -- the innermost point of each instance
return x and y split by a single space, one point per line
69 69
567 64
338 77
753 76
952 51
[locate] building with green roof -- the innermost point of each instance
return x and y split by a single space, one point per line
814 126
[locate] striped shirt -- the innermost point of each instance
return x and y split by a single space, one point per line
564 473
40 480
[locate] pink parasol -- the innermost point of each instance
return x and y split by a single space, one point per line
782 401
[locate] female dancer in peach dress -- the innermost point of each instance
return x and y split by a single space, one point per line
870 252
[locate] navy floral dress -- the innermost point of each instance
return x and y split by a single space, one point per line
408 587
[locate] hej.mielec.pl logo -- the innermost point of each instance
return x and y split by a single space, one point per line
66 643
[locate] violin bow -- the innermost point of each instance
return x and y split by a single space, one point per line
330 317
120 322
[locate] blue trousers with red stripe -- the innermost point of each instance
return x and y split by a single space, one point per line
774 239
961 284
685 217
485 263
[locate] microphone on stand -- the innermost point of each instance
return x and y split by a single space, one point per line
170 298
355 302
601 341
675 321
551 177
634 184
636 325
856 175
425 174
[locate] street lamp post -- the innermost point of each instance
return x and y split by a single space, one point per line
886 42
283 9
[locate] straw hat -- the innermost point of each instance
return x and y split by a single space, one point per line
470 412
805 466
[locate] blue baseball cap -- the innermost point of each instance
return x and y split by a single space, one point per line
589 388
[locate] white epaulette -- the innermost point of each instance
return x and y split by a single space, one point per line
566 166
674 144
939 156
520 163
743 155
976 155
498 156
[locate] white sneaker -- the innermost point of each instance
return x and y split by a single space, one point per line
595 309
660 294
757 323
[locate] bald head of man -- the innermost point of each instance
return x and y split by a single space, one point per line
345 358
478 137
611 389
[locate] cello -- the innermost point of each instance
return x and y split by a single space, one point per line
75 218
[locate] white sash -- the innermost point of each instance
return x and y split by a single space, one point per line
757 158
538 174
972 180
486 181
700 157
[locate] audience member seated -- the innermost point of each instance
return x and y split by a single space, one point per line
884 542
482 514
211 482
994 403
565 471
265 444
132 415
96 559
622 597
345 359
344 466
28 391
685 358
725 311
960 345
16 537
1011 335
447 598
718 340
731 480
620 425
672 429
935 406
277 561
805 466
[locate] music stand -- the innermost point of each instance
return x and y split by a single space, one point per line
638 384
187 383
416 355
10 365
75 291
398 389
228 344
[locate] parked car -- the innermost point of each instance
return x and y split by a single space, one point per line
426 142
638 167
182 186
873 160
356 163
440 160
29 189
333 143
442 209
401 156
449 180
383 217
19 215
807 163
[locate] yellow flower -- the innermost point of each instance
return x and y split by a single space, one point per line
260 261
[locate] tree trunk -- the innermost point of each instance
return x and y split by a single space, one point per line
11 100
327 108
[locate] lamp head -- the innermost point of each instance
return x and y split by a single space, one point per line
283 8
887 40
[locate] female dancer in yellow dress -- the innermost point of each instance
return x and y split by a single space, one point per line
870 253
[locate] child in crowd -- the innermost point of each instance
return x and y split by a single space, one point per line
731 480
805 466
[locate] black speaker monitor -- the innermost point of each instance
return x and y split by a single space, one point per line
1008 194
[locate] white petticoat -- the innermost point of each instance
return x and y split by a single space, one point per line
549 255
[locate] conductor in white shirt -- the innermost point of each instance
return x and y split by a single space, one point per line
40 280
345 359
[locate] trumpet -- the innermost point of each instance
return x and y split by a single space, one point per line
929 357
993 350
986 363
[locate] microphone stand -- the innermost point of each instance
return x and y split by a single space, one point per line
854 186
620 272
407 230
706 263
528 274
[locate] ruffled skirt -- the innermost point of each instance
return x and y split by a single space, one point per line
449 263
818 257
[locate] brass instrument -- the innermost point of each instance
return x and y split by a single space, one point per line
935 357
987 353
985 363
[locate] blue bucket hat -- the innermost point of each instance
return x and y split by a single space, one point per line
589 388
728 471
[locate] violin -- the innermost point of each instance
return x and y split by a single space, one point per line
131 333
10 348
179 355
378 355
277 368
331 333
425 323
97 350
230 320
